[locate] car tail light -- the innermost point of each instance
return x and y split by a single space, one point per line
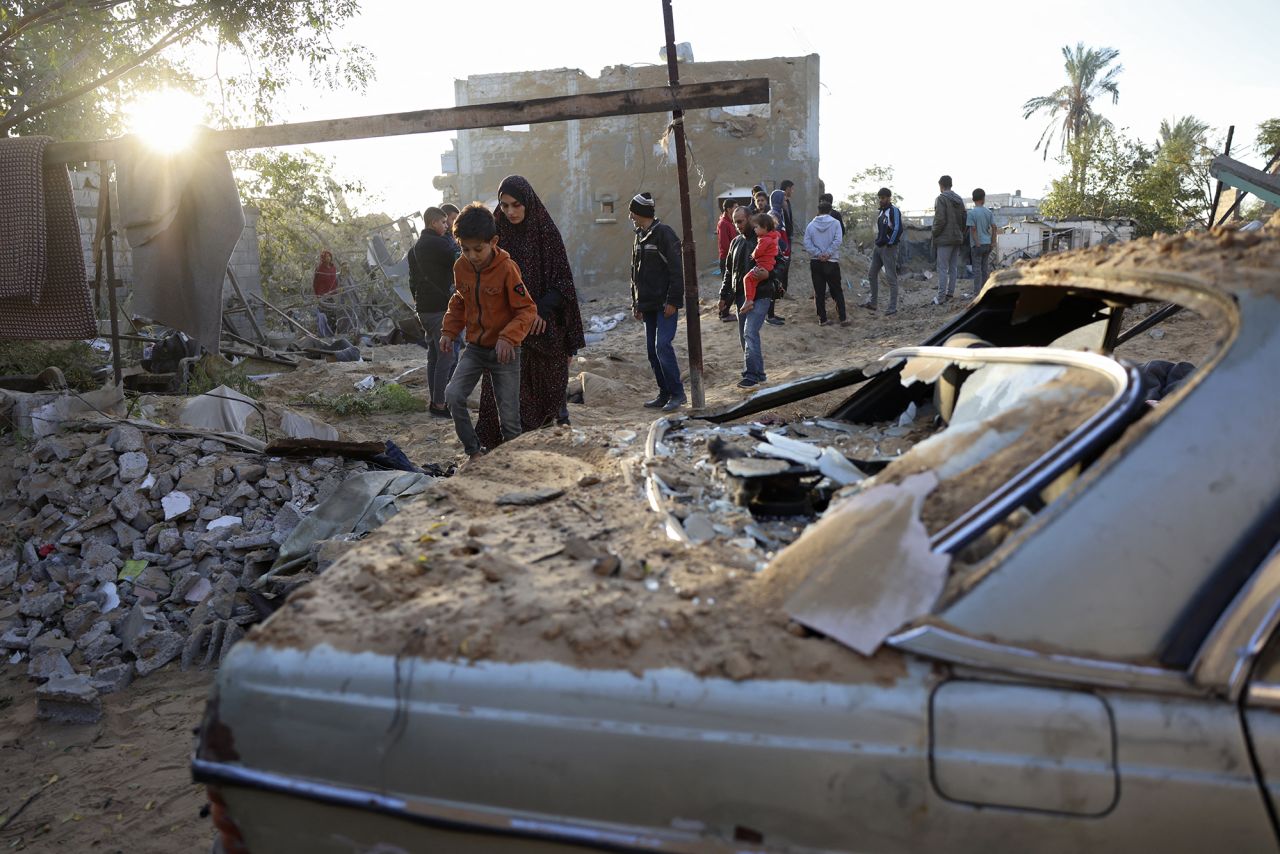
228 832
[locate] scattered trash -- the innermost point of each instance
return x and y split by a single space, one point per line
175 504
221 410
530 498
297 426
131 570
867 567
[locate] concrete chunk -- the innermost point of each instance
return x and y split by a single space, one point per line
47 664
158 650
124 438
43 606
68 700
112 678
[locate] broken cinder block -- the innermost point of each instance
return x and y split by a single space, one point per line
68 700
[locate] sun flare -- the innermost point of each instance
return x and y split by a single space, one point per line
166 119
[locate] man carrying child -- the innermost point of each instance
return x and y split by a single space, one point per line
491 302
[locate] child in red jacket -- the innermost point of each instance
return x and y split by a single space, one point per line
765 254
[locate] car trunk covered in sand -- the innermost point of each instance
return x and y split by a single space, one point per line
569 667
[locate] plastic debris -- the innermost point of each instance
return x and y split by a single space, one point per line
131 569
175 504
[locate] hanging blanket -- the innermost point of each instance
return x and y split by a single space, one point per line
43 290
182 217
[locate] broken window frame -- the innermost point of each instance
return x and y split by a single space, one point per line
1083 443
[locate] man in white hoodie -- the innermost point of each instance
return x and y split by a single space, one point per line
822 239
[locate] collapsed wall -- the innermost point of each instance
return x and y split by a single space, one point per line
586 171
134 549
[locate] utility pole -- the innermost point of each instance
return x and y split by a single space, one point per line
692 318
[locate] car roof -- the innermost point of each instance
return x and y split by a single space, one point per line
1143 552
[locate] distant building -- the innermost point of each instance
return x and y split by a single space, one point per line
1037 236
586 171
1011 200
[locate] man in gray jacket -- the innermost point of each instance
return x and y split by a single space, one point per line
822 240
948 237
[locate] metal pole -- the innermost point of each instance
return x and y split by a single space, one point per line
104 201
296 325
253 321
109 250
692 318
1217 194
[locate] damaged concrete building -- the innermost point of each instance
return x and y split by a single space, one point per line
586 171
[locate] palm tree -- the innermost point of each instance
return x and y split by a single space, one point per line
1180 137
1088 77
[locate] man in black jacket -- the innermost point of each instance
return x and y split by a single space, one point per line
431 283
751 315
657 290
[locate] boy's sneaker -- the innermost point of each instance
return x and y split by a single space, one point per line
774 321
869 306
727 318
439 412
824 322
844 323
748 384
937 300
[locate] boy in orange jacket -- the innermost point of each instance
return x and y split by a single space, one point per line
491 301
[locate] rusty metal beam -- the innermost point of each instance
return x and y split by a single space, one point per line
594 105
692 316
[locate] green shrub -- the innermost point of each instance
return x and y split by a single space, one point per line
206 376
388 397
76 359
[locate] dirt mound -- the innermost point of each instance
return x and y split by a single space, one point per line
458 577
1212 256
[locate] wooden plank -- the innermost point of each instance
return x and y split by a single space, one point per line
592 105
1242 177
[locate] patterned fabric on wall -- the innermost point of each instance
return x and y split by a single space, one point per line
44 293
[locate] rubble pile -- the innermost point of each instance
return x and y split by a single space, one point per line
128 550
758 485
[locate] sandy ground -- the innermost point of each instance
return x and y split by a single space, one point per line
123 784
120 785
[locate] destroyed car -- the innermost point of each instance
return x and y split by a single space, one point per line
1048 624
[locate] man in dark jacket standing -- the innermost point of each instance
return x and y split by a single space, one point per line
751 315
431 283
885 255
657 290
948 237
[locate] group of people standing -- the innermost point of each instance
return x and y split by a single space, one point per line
953 226
496 297
510 320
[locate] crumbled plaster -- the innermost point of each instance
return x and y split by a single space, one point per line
579 168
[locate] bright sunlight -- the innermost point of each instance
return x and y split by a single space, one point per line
166 119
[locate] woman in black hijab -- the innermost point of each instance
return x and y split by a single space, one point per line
526 230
